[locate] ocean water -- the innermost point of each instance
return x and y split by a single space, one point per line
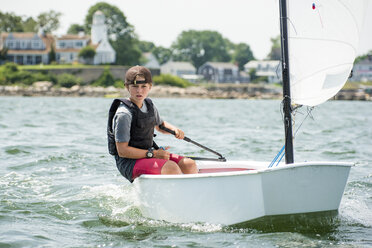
59 187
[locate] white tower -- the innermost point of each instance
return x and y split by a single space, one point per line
99 30
105 54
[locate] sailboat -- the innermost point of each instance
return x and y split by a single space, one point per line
319 41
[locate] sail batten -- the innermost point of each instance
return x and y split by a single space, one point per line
323 38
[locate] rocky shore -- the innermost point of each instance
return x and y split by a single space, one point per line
242 91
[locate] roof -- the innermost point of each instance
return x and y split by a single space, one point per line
47 39
19 35
255 63
180 65
73 37
225 65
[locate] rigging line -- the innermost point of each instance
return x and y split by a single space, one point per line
280 153
309 110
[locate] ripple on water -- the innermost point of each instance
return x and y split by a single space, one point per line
15 150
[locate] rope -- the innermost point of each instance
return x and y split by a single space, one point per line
281 152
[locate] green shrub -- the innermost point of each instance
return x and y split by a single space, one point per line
119 84
10 74
106 79
168 79
67 80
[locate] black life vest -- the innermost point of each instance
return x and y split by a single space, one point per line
142 126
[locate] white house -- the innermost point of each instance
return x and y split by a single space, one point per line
266 68
27 48
151 61
181 69
69 45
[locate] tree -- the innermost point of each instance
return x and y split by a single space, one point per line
49 21
52 54
275 53
87 53
162 54
121 33
3 54
146 46
363 57
199 47
242 54
10 22
75 29
29 25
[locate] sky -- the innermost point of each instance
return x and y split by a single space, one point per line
252 22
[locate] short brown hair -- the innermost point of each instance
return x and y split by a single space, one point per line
133 72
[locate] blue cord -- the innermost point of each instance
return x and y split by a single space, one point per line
277 156
280 159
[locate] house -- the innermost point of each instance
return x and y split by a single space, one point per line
362 71
265 68
27 48
180 69
68 46
220 72
151 61
35 48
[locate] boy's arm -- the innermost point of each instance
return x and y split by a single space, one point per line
179 133
126 151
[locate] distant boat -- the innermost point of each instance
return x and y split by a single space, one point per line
319 44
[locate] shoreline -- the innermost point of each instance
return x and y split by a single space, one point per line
220 91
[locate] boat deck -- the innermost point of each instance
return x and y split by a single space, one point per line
214 170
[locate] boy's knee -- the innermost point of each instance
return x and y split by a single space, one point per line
171 167
188 166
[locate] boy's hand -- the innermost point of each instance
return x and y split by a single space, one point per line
162 154
179 133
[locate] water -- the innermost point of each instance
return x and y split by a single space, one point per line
60 188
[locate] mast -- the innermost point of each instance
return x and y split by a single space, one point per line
286 88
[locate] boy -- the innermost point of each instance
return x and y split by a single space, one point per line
130 131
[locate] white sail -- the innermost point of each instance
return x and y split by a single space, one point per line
323 41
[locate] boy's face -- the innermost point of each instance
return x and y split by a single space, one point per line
138 92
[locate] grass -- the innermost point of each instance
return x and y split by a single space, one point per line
355 85
63 66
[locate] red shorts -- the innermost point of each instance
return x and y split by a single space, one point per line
152 166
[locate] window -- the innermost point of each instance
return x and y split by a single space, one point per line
38 59
19 59
78 44
10 58
29 60
10 44
35 44
62 44
227 71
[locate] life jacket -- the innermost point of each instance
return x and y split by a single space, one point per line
142 126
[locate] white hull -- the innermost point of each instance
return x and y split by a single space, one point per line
239 196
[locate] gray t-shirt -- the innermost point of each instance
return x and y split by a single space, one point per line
121 124
122 120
